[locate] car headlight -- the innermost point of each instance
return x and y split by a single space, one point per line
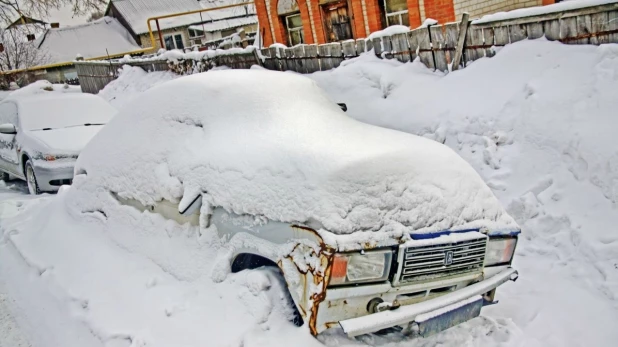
500 250
370 266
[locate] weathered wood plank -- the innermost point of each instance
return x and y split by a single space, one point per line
438 42
612 20
360 46
599 23
424 46
474 38
534 30
517 32
413 44
584 27
301 62
377 46
387 46
552 29
489 39
368 45
501 36
568 29
401 51
312 62
349 49
456 41
336 54
326 63
289 59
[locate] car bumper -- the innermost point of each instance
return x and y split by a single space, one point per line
51 178
408 313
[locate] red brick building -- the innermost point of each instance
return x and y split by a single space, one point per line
319 21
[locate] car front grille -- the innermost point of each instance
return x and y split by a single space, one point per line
433 262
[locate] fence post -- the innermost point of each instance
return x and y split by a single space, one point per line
463 29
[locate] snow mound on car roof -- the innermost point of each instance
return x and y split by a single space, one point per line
273 144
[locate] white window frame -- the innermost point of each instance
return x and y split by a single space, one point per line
173 36
394 14
300 28
196 36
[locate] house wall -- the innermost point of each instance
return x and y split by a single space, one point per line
367 15
144 39
479 8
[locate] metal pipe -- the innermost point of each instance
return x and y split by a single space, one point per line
160 35
152 39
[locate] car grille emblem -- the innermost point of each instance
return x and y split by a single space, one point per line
448 258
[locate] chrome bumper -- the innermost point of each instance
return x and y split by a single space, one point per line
407 314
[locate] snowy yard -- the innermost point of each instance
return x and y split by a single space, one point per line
537 122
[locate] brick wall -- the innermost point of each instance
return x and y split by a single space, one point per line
264 29
479 8
414 13
374 16
356 12
441 10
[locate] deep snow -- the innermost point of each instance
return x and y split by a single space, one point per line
535 121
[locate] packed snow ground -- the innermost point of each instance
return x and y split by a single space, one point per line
536 121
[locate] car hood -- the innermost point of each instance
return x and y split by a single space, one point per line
66 140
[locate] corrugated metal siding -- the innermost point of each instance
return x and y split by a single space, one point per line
225 24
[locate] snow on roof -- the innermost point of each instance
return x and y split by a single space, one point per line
273 144
136 12
287 6
541 10
225 24
99 38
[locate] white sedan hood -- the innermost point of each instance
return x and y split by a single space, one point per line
66 140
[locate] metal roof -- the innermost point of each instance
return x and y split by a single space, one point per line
96 39
136 12
225 24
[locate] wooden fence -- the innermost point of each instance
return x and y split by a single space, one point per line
435 46
95 75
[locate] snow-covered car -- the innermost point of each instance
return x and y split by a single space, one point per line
371 228
41 136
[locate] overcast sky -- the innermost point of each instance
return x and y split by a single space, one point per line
65 17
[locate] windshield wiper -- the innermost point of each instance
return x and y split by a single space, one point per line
84 125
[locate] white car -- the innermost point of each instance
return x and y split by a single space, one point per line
371 228
41 136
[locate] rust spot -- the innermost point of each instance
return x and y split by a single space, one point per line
331 324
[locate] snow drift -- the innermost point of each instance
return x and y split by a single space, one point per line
285 151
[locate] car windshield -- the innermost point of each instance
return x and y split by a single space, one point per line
63 112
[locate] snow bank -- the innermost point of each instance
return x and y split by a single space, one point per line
131 82
537 121
287 152
389 31
42 87
541 10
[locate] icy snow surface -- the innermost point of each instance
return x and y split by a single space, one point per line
286 152
537 121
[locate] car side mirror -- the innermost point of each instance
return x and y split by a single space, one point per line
8 129
194 205
343 106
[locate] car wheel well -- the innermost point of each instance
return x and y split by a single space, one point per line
248 261
24 160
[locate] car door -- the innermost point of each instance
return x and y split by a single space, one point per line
9 158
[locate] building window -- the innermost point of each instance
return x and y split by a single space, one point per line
193 33
173 41
294 27
396 12
337 22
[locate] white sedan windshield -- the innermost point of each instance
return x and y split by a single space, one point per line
62 112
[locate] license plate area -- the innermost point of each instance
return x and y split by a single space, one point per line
431 323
